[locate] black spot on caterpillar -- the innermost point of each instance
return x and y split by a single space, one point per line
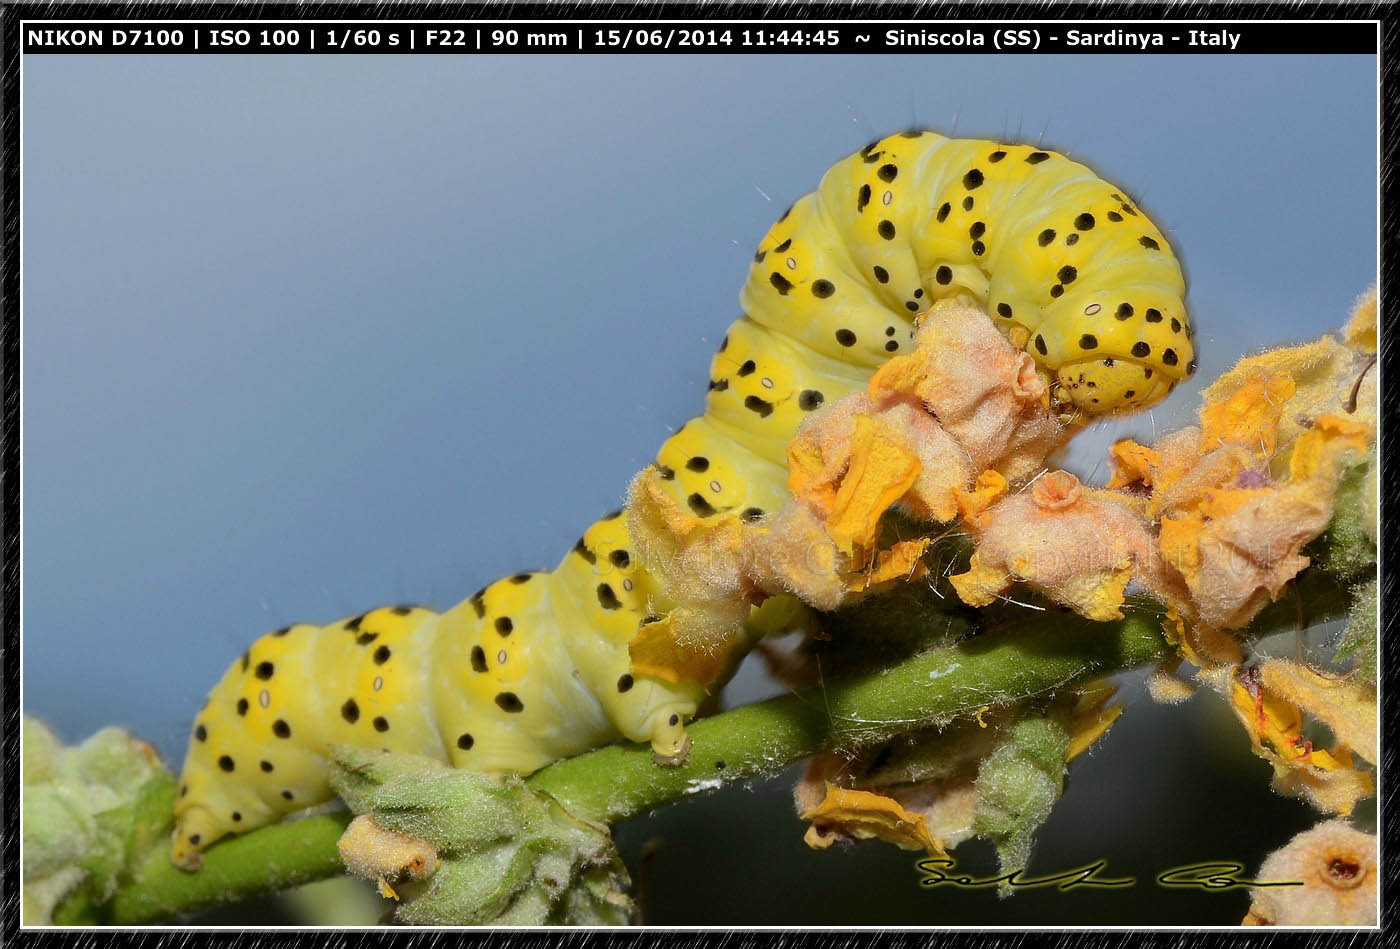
535 667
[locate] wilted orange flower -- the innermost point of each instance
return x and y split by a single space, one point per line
698 643
1344 705
1266 701
1078 547
1236 543
936 431
962 402
924 794
988 489
1239 497
851 488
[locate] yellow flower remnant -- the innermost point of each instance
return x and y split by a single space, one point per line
1345 706
1361 330
1202 646
1240 550
921 795
903 561
1324 373
1091 717
1339 876
708 597
1317 451
1131 464
990 487
1237 434
1236 543
1076 546
794 554
691 558
1327 778
844 812
875 472
1249 416
982 391
384 856
691 644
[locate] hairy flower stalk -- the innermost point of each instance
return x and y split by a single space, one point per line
1047 652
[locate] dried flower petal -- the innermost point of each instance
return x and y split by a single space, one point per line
1131 463
900 562
1249 416
1239 546
1327 778
879 472
1323 373
1343 705
988 489
844 812
794 554
819 454
1091 718
1320 448
693 559
698 643
1361 329
946 468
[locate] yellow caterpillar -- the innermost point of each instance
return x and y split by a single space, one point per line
535 667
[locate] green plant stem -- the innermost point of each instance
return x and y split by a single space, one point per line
1047 652
1050 651
266 860
622 781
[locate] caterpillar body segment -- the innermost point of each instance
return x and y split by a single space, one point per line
528 670
1072 271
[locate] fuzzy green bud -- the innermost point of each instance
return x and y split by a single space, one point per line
1349 546
88 811
508 855
1017 785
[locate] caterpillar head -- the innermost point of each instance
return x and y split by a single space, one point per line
1106 386
210 806
1116 356
195 829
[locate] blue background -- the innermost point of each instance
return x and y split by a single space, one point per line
307 335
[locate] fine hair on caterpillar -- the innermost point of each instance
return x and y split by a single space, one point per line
536 666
